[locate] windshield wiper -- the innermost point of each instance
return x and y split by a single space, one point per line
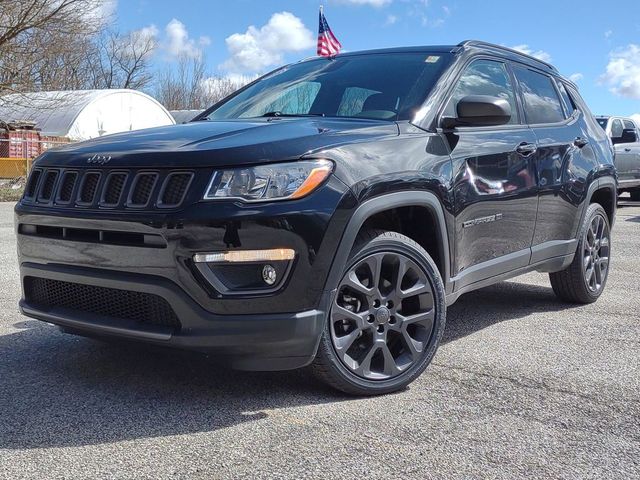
282 114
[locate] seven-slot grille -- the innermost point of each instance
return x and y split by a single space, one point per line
110 189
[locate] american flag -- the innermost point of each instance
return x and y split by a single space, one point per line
328 44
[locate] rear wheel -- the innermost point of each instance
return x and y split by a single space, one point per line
387 317
584 280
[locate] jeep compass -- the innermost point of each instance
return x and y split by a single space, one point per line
326 214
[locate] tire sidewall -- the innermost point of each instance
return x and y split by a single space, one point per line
593 210
386 243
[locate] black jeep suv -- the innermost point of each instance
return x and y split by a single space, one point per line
327 213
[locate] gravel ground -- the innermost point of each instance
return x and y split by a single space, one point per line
523 386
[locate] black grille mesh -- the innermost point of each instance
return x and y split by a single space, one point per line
47 186
33 183
110 302
89 187
66 188
142 189
175 188
114 187
120 189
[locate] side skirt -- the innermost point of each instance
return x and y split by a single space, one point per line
547 257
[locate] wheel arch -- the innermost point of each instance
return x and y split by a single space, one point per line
604 191
377 206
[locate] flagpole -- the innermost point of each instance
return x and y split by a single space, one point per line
321 9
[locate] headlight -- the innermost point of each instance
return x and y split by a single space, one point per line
269 182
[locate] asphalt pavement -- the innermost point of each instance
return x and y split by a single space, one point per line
523 386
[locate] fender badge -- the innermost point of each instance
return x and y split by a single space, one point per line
478 221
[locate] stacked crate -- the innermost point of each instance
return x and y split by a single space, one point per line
50 141
20 143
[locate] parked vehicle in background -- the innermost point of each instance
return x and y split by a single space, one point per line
327 213
625 137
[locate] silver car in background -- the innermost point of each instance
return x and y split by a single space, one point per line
625 137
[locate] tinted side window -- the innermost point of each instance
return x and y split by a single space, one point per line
566 98
541 102
484 77
616 128
629 124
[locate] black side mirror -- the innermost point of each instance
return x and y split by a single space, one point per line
629 135
479 111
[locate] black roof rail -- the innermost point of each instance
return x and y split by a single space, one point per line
479 43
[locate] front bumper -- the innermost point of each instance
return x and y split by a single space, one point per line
272 330
250 342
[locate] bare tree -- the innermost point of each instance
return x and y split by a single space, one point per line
68 45
181 88
120 61
189 87
35 34
218 87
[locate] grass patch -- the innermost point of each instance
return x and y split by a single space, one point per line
8 194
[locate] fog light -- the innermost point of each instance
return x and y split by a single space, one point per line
245 272
269 274
245 256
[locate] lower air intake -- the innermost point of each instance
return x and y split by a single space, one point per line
144 308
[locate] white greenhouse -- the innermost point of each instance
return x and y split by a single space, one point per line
84 114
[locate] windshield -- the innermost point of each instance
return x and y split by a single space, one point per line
603 122
389 86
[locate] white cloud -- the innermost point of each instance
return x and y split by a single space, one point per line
100 12
623 71
608 33
391 20
576 77
373 3
108 7
145 33
265 46
636 118
539 54
422 11
178 43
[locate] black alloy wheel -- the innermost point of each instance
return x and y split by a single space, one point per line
584 280
386 319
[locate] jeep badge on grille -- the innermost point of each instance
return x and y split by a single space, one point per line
99 159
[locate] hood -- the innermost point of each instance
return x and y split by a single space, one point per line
218 143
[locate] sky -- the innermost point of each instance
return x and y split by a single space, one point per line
595 43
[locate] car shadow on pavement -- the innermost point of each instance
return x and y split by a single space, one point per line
59 390
505 301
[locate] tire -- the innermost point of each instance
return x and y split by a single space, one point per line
584 280
635 194
380 335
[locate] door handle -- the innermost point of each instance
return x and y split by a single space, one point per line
580 142
627 149
525 149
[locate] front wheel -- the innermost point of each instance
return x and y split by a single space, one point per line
584 280
387 317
